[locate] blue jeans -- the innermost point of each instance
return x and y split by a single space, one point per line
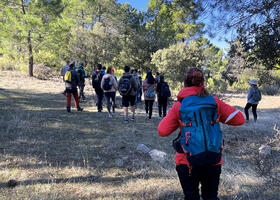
109 96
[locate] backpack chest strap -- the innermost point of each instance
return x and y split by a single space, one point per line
185 124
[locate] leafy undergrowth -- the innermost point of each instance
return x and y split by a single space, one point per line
85 155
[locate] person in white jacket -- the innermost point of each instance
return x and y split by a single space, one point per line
109 85
253 98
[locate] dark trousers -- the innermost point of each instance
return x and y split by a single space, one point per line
162 105
99 94
149 107
254 110
109 96
207 176
68 98
81 92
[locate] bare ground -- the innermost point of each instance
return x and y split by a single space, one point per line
84 155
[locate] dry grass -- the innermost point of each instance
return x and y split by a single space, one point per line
55 155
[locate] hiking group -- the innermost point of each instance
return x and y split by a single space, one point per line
106 84
197 114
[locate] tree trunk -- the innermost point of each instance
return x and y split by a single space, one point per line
30 52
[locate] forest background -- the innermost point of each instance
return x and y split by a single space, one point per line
38 36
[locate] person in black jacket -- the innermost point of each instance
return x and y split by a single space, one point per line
163 92
96 84
71 88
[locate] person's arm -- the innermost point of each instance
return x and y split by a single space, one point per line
250 93
102 82
114 82
171 121
119 82
228 114
158 87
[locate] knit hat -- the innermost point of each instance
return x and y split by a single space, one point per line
253 82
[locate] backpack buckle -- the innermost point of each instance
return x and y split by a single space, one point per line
185 124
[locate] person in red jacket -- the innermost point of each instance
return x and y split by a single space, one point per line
190 176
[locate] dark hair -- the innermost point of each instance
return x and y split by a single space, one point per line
82 64
109 70
194 77
104 68
126 69
68 61
99 66
161 78
157 73
150 78
72 65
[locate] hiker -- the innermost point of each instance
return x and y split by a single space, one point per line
135 76
103 70
81 84
113 74
64 69
71 81
139 91
253 98
149 88
109 85
198 114
127 88
96 84
163 92
157 77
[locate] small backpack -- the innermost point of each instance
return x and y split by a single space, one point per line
96 79
164 90
125 85
150 93
67 77
201 136
257 95
107 85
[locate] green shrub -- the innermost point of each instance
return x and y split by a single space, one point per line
216 86
270 89
23 68
7 64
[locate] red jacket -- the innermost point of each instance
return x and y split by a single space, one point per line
227 115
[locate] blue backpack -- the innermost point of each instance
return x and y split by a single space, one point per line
201 136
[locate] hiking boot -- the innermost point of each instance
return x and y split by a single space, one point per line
110 115
147 115
132 118
68 109
80 109
126 121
